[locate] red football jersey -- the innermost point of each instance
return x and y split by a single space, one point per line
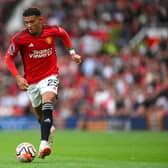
38 53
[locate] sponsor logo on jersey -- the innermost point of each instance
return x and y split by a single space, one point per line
41 53
49 40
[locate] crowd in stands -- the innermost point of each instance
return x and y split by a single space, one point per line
113 79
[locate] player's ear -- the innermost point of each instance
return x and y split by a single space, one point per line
44 21
41 19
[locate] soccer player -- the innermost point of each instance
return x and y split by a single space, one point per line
36 44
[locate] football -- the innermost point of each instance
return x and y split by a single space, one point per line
25 152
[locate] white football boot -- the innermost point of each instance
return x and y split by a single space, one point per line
44 149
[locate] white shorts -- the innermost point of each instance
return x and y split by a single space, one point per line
35 91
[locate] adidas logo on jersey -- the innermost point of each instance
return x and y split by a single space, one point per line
31 45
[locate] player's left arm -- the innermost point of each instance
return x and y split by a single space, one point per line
68 43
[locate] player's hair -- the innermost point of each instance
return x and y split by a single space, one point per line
31 12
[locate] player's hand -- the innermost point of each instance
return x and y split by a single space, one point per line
22 83
77 58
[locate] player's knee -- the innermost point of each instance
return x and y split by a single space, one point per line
48 97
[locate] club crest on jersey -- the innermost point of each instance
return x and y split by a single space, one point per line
49 40
11 49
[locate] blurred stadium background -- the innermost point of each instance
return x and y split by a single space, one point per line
122 83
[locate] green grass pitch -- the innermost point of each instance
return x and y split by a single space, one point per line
77 149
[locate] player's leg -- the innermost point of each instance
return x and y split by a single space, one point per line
46 123
48 91
36 100
51 136
38 112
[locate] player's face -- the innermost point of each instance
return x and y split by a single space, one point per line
33 24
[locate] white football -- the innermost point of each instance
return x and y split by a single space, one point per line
25 152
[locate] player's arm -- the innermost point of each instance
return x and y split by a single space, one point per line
68 43
9 60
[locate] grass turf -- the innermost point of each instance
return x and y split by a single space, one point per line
90 149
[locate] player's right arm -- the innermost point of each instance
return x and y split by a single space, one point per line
9 60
